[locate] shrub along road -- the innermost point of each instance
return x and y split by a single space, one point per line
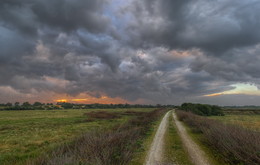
155 154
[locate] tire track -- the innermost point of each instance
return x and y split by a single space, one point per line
155 154
197 156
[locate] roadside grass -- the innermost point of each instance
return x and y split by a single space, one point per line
251 122
214 157
145 143
27 134
104 146
175 152
227 143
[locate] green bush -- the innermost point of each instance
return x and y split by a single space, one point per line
202 109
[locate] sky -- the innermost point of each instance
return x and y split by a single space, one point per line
130 51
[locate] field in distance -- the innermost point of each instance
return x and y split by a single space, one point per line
27 134
247 118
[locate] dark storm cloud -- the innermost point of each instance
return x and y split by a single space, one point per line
226 31
65 15
238 65
214 26
71 15
23 25
161 51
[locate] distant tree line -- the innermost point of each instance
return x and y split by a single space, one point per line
107 106
27 106
202 109
65 105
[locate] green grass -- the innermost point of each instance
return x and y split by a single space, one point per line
27 134
247 121
175 152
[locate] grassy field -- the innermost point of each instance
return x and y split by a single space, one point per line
27 134
241 111
247 121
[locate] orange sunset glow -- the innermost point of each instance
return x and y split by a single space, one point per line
214 94
88 99
62 100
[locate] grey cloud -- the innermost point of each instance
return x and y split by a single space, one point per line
161 51
71 15
65 15
18 16
214 26
237 65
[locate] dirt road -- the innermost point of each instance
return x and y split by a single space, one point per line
155 154
197 156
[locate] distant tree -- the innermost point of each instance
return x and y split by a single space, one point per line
9 104
67 105
16 104
37 103
202 109
26 104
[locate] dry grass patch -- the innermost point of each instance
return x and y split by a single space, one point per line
104 147
102 115
235 144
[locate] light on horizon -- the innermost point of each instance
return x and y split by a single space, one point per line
239 88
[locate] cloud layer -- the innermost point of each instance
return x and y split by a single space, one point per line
156 51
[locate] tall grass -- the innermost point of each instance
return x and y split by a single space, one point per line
103 147
235 144
102 115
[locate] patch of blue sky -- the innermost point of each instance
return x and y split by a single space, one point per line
97 38
119 17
